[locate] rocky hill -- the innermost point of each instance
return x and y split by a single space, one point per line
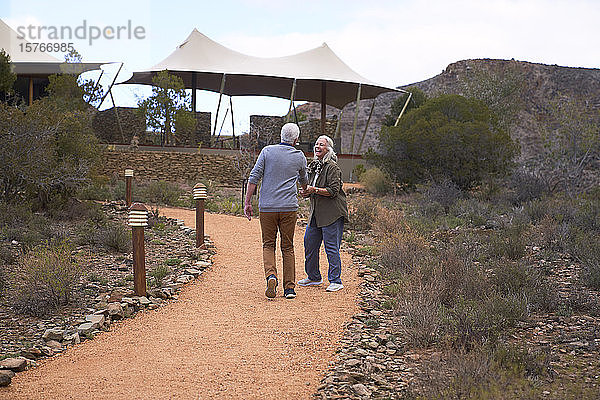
541 87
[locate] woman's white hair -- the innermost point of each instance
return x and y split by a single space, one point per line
289 133
330 153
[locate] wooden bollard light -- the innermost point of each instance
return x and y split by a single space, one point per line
199 196
138 219
128 187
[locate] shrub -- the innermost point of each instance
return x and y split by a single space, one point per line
376 181
362 213
159 273
448 136
116 237
420 322
445 193
473 211
358 170
509 242
526 186
160 192
518 278
48 275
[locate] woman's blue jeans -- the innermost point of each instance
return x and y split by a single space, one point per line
331 237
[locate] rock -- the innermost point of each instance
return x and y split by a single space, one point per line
192 271
47 351
86 328
184 279
361 390
54 345
353 362
202 264
144 301
14 364
115 311
72 339
97 319
7 372
53 334
4 380
32 353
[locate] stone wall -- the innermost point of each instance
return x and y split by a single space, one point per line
268 129
106 127
172 166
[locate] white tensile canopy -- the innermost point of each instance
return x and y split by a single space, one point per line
27 60
315 75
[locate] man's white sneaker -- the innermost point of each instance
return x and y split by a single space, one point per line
334 287
308 282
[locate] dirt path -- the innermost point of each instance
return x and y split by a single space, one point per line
223 339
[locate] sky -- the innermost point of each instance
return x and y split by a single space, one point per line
389 42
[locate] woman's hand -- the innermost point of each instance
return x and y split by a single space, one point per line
308 191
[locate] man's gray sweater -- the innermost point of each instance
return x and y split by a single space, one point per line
279 166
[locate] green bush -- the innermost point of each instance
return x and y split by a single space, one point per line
509 242
48 275
376 181
116 237
160 192
159 273
447 137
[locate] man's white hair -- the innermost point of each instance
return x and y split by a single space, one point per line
289 133
330 153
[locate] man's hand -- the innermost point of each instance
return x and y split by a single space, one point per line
248 211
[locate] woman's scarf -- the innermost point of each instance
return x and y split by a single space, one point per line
315 167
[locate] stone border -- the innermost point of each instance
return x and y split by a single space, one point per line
108 310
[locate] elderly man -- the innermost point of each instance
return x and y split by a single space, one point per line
280 166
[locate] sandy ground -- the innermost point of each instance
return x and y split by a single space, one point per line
223 339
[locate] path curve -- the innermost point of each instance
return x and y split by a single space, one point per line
223 339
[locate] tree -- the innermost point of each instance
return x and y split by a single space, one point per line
166 110
571 143
7 78
68 90
417 99
500 90
448 137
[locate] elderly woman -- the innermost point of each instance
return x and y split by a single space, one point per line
328 212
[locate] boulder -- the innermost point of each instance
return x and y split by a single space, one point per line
14 364
53 334
97 319
32 353
72 339
86 328
4 379
115 311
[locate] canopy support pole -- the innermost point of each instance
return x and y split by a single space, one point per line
110 87
232 123
219 104
194 86
337 136
291 99
362 139
355 117
323 106
403 108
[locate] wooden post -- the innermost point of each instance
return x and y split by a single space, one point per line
138 219
128 187
30 91
199 196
